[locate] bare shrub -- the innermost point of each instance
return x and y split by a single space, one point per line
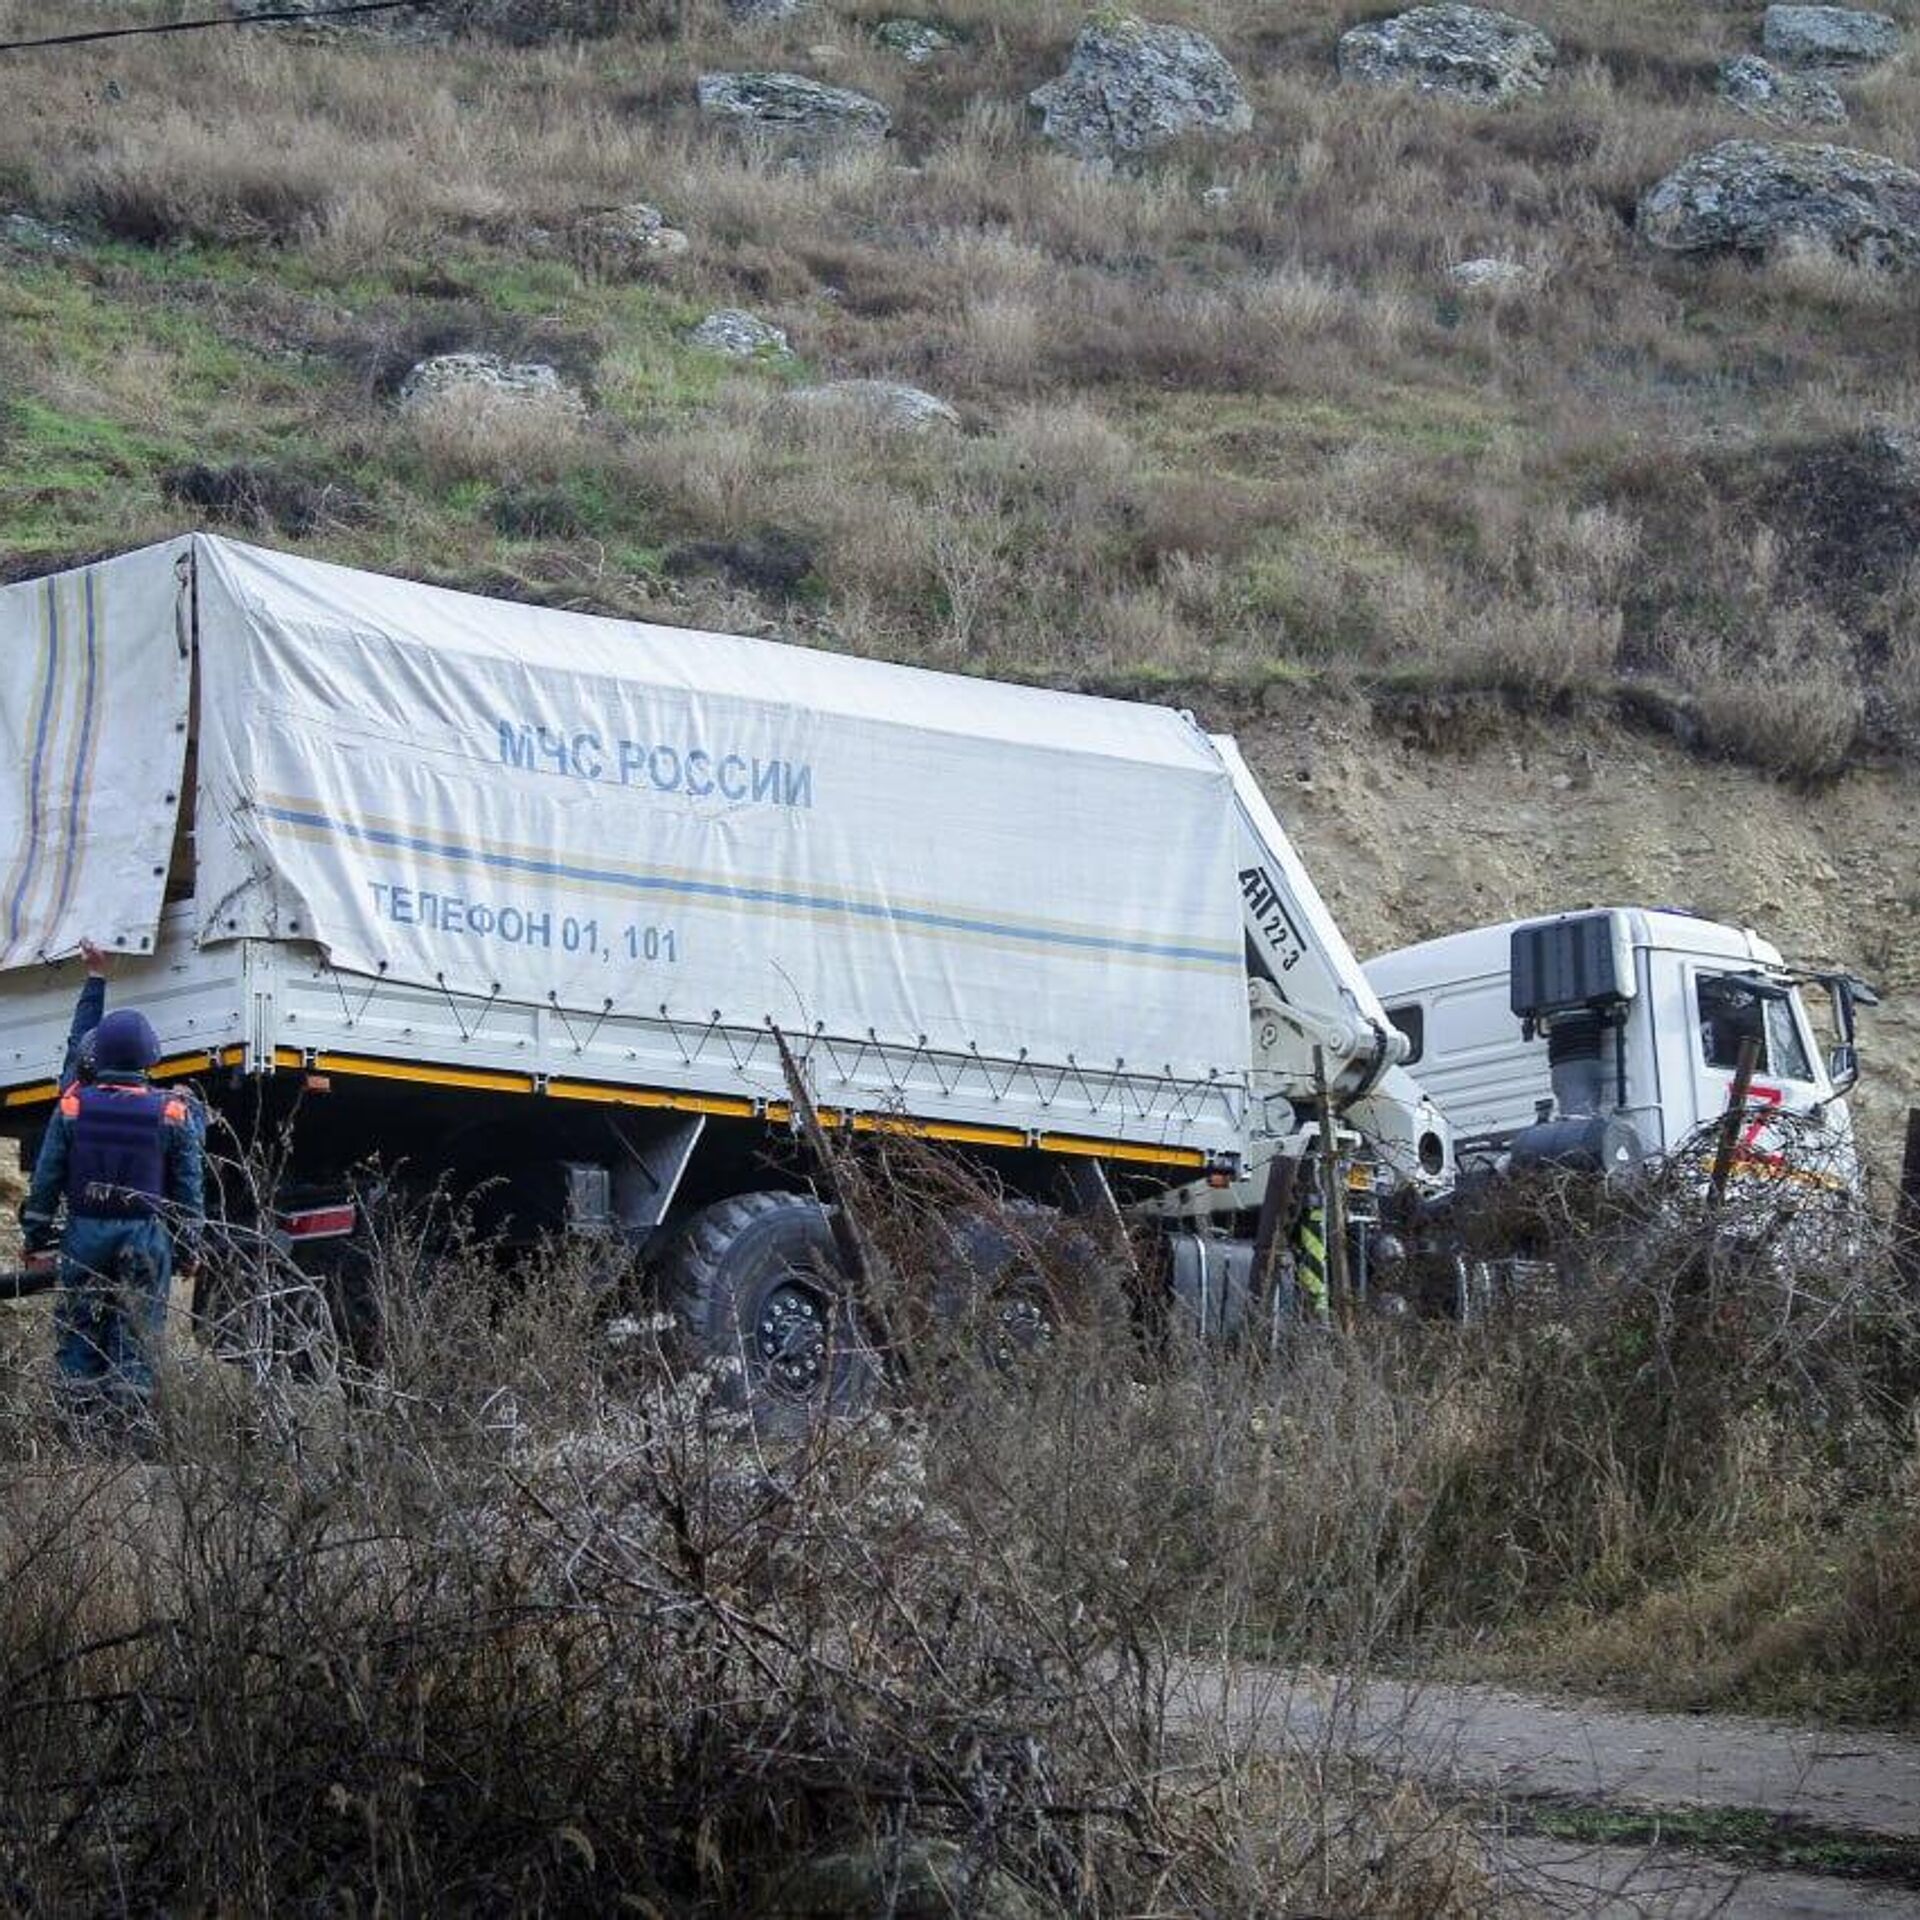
532 1622
470 433
520 1616
1786 699
192 182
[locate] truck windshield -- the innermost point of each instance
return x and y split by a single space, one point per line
1731 1008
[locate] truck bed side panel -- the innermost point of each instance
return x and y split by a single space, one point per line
657 833
95 677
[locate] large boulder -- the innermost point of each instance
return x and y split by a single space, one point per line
881 406
1828 36
1131 86
739 335
789 111
33 235
1746 196
1768 92
484 380
1470 52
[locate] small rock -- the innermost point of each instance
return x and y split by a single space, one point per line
1471 52
1760 88
1490 273
883 404
738 334
617 240
33 235
754 13
1746 196
1131 86
1828 36
485 376
788 110
1216 196
915 41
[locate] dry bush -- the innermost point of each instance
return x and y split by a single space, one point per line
522 1620
466 434
521 1617
1784 698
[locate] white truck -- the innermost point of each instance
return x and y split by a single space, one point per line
1602 1038
531 901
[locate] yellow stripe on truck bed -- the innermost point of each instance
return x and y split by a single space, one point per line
663 1099
651 1097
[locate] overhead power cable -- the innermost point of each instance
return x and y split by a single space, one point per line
276 17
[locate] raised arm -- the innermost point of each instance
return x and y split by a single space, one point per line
87 1009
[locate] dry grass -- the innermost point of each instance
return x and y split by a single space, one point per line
524 1618
1319 454
528 1622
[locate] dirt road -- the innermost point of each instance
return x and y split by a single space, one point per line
1488 1741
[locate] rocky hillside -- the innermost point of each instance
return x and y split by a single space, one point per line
1486 401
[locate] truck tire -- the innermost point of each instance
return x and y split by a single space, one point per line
1010 1277
758 1279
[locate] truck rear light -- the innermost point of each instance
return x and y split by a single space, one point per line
319 1223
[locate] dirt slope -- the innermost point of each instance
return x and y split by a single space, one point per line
1408 840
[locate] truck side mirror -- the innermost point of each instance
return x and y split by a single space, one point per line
1843 1066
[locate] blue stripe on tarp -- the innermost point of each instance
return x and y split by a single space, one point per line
39 759
69 854
767 896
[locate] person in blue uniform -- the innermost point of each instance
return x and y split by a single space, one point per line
125 1159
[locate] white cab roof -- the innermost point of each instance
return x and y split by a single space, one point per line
1484 951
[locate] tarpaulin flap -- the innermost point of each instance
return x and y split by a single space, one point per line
599 815
95 680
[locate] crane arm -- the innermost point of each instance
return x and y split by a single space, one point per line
1297 951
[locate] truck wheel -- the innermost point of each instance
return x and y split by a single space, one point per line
1012 1276
757 1279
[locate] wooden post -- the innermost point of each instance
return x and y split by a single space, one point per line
1276 1211
850 1241
1744 1068
1906 1207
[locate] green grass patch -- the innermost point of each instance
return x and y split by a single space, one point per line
1744 1836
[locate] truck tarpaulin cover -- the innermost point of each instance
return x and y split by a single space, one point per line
95 676
554 808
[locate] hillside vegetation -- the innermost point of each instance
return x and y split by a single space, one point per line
1227 420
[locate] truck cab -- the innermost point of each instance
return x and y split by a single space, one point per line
1612 1036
